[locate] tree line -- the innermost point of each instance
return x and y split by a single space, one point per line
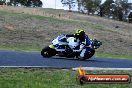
110 8
114 9
27 3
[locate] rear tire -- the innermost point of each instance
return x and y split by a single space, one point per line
48 52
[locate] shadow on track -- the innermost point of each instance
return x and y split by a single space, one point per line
75 59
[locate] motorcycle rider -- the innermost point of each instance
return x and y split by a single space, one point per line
80 38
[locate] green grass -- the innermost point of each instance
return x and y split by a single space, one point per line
19 48
112 55
50 78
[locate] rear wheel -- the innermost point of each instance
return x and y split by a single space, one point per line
48 52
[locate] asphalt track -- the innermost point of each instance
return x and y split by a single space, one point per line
19 58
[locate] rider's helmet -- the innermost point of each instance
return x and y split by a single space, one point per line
80 34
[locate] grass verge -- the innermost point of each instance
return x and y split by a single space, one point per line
112 55
50 78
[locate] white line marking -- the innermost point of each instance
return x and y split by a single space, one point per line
33 67
98 68
85 68
24 66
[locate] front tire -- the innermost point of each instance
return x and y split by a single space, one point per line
87 55
48 52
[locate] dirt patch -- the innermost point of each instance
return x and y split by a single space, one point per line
9 27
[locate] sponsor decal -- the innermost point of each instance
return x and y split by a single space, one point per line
101 78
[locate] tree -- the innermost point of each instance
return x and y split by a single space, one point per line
101 9
2 2
28 3
122 6
23 2
34 3
69 3
130 17
107 7
115 9
91 5
79 3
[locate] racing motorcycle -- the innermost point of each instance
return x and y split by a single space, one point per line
68 47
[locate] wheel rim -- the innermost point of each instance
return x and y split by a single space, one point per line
45 53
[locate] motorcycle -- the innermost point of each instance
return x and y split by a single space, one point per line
68 47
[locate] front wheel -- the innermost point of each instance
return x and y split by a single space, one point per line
48 52
88 54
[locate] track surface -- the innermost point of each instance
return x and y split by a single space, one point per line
18 58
